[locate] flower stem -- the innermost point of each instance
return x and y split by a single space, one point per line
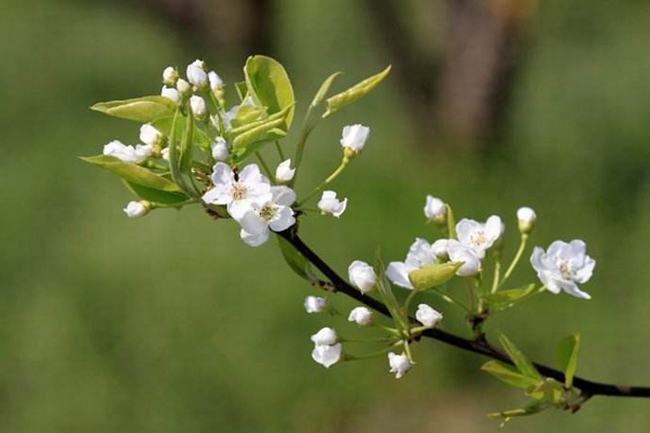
308 125
515 260
279 149
497 271
323 184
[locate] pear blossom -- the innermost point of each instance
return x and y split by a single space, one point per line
170 76
526 218
135 155
325 337
150 135
315 304
435 210
165 153
274 214
171 93
330 205
196 74
362 316
327 355
137 209
459 252
427 316
354 137
220 149
216 83
183 87
563 266
284 172
440 249
420 254
399 364
239 192
479 236
362 276
197 104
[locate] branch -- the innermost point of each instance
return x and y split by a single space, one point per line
480 346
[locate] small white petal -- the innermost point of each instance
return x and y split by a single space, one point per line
198 106
361 316
315 304
196 74
354 137
327 355
435 209
284 172
220 149
427 316
136 209
325 336
399 364
362 276
398 273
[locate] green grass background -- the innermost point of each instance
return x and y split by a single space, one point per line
171 324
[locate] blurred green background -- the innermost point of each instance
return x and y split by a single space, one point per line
171 324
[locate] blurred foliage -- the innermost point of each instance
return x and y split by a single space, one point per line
159 325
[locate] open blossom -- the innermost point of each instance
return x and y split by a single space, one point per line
284 172
220 149
275 214
171 93
327 355
526 218
135 155
330 205
459 252
354 137
137 209
427 316
238 193
196 74
563 267
315 304
150 135
325 336
479 236
197 104
361 316
399 364
435 209
420 254
216 83
362 276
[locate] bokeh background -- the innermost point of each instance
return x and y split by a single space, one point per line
171 324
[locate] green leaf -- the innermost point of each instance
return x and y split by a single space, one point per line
567 354
133 173
549 390
336 102
269 84
530 409
504 299
155 195
145 109
434 275
509 375
324 88
242 90
164 125
247 142
524 366
296 261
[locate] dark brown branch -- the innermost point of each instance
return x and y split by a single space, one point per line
480 346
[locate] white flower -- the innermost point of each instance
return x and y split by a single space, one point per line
361 316
324 337
165 153
462 253
275 214
479 236
171 93
327 355
238 192
362 276
427 316
183 87
198 106
150 135
526 219
420 254
440 249
354 137
399 364
216 83
220 149
315 304
170 75
435 210
284 172
563 267
196 74
137 209
329 205
135 155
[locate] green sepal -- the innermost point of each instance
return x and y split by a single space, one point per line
434 275
340 100
145 109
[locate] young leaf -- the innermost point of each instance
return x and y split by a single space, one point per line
509 375
434 275
324 88
504 299
156 195
295 260
145 109
521 362
269 84
133 173
567 353
338 101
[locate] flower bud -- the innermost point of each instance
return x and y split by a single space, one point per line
170 76
197 104
196 74
165 153
427 316
327 355
315 304
526 218
399 364
354 138
220 149
150 135
284 172
216 83
435 210
324 337
362 276
171 93
183 87
330 205
361 316
137 209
